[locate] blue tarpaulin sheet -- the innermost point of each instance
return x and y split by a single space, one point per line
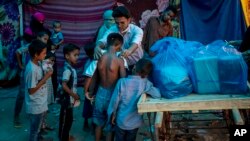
209 20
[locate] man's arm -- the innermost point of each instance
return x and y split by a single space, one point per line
130 50
135 41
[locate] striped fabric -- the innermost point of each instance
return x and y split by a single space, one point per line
80 20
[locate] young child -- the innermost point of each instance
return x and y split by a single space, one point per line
89 90
69 85
110 68
47 65
35 88
43 36
123 104
57 36
23 57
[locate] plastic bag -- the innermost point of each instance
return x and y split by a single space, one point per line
169 73
218 68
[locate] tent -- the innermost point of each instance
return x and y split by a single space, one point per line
199 20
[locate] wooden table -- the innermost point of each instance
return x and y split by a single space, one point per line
194 103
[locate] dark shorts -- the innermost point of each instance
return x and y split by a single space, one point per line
102 100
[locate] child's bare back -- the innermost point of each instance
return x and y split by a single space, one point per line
110 69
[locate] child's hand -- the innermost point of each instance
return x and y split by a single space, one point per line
49 73
75 96
21 66
89 97
53 47
113 119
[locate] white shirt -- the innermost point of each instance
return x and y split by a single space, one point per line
133 35
37 102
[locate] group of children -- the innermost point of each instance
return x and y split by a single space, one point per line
117 94
108 88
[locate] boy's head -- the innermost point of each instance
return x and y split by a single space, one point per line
143 67
43 36
50 56
37 50
115 40
71 53
122 17
89 49
57 26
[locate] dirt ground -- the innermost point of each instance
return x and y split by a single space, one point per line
9 133
185 126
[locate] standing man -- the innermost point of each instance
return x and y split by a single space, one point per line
158 27
132 34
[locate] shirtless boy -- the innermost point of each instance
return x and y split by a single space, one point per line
110 68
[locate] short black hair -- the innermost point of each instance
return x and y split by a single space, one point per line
56 22
69 48
121 11
42 33
89 49
171 8
143 67
114 39
36 47
28 38
49 54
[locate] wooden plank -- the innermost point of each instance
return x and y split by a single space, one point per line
195 102
158 119
237 117
142 98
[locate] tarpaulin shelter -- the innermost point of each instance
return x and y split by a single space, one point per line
202 21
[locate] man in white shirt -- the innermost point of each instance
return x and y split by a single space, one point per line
132 34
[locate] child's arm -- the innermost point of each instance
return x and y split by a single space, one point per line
86 88
151 90
60 43
69 91
114 101
40 83
61 40
66 77
113 119
19 53
18 57
122 68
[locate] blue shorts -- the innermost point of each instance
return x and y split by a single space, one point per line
102 100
